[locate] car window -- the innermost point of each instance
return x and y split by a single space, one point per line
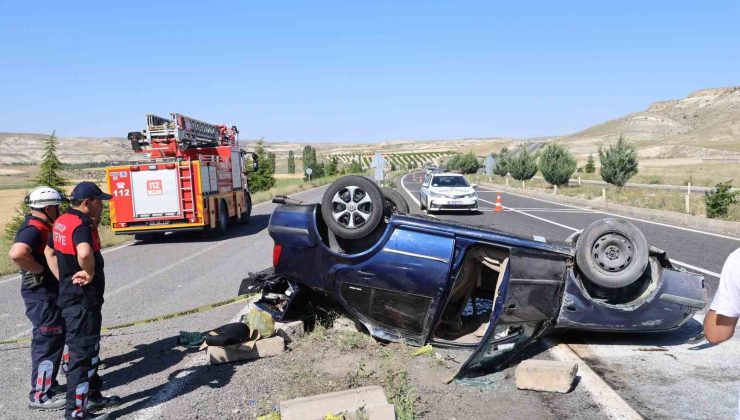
450 181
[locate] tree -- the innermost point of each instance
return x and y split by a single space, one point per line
50 168
354 167
501 168
261 179
618 162
271 160
557 164
291 162
590 165
468 163
309 161
719 199
522 165
332 168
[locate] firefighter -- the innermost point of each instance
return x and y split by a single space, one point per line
39 289
76 247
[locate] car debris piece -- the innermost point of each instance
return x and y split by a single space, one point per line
249 350
545 375
346 403
420 280
232 333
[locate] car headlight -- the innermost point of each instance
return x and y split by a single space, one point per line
473 195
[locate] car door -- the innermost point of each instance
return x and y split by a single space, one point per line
424 190
395 288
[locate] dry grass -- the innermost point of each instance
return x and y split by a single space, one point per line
699 174
637 197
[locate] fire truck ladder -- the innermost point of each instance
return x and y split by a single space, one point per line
187 192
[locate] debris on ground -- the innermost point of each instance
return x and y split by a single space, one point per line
190 338
260 321
250 350
243 341
367 402
546 375
424 350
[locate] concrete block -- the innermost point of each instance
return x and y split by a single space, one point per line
349 401
290 331
545 375
267 347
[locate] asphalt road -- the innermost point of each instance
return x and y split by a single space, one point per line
657 374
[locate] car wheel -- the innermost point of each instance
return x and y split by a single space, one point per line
223 219
394 203
244 217
352 206
612 253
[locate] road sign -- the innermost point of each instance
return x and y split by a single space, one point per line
379 164
489 163
309 171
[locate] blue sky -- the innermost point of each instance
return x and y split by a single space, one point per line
357 71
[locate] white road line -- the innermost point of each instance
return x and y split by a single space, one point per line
619 215
683 264
614 406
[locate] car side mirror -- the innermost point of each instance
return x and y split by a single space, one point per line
474 185
425 185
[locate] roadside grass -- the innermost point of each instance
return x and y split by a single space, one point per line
636 197
701 174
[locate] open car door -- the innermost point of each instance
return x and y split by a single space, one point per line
500 341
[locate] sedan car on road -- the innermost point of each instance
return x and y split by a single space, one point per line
448 191
421 280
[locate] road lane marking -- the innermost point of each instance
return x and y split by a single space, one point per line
418 203
681 263
618 215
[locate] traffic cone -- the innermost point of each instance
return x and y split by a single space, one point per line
498 203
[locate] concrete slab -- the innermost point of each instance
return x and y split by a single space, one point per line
545 375
267 347
315 407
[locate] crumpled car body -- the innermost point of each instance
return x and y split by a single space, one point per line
427 280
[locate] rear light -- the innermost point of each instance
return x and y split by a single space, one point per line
121 225
192 220
276 251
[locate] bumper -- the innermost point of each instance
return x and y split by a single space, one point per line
453 204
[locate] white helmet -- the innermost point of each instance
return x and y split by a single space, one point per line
41 197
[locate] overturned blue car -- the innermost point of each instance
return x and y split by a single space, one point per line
420 280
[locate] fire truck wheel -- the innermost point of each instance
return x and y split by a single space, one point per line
244 217
223 219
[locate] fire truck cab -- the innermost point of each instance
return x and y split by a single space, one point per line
193 177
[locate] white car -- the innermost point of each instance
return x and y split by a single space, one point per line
447 191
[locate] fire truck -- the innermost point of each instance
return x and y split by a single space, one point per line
192 177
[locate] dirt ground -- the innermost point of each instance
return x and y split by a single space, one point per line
329 360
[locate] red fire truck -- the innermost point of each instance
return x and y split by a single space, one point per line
192 178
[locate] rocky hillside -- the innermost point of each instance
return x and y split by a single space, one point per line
705 123
28 148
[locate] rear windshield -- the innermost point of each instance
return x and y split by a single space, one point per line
449 181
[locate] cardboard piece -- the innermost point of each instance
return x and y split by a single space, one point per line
250 350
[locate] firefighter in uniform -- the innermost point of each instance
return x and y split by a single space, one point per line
81 286
39 289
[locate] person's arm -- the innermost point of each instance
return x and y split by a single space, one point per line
51 259
82 237
719 328
22 255
721 320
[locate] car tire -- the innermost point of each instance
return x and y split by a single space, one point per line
222 223
352 206
394 203
244 217
612 253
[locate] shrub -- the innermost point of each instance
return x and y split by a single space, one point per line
261 179
557 164
719 199
590 165
523 165
467 163
618 162
501 168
